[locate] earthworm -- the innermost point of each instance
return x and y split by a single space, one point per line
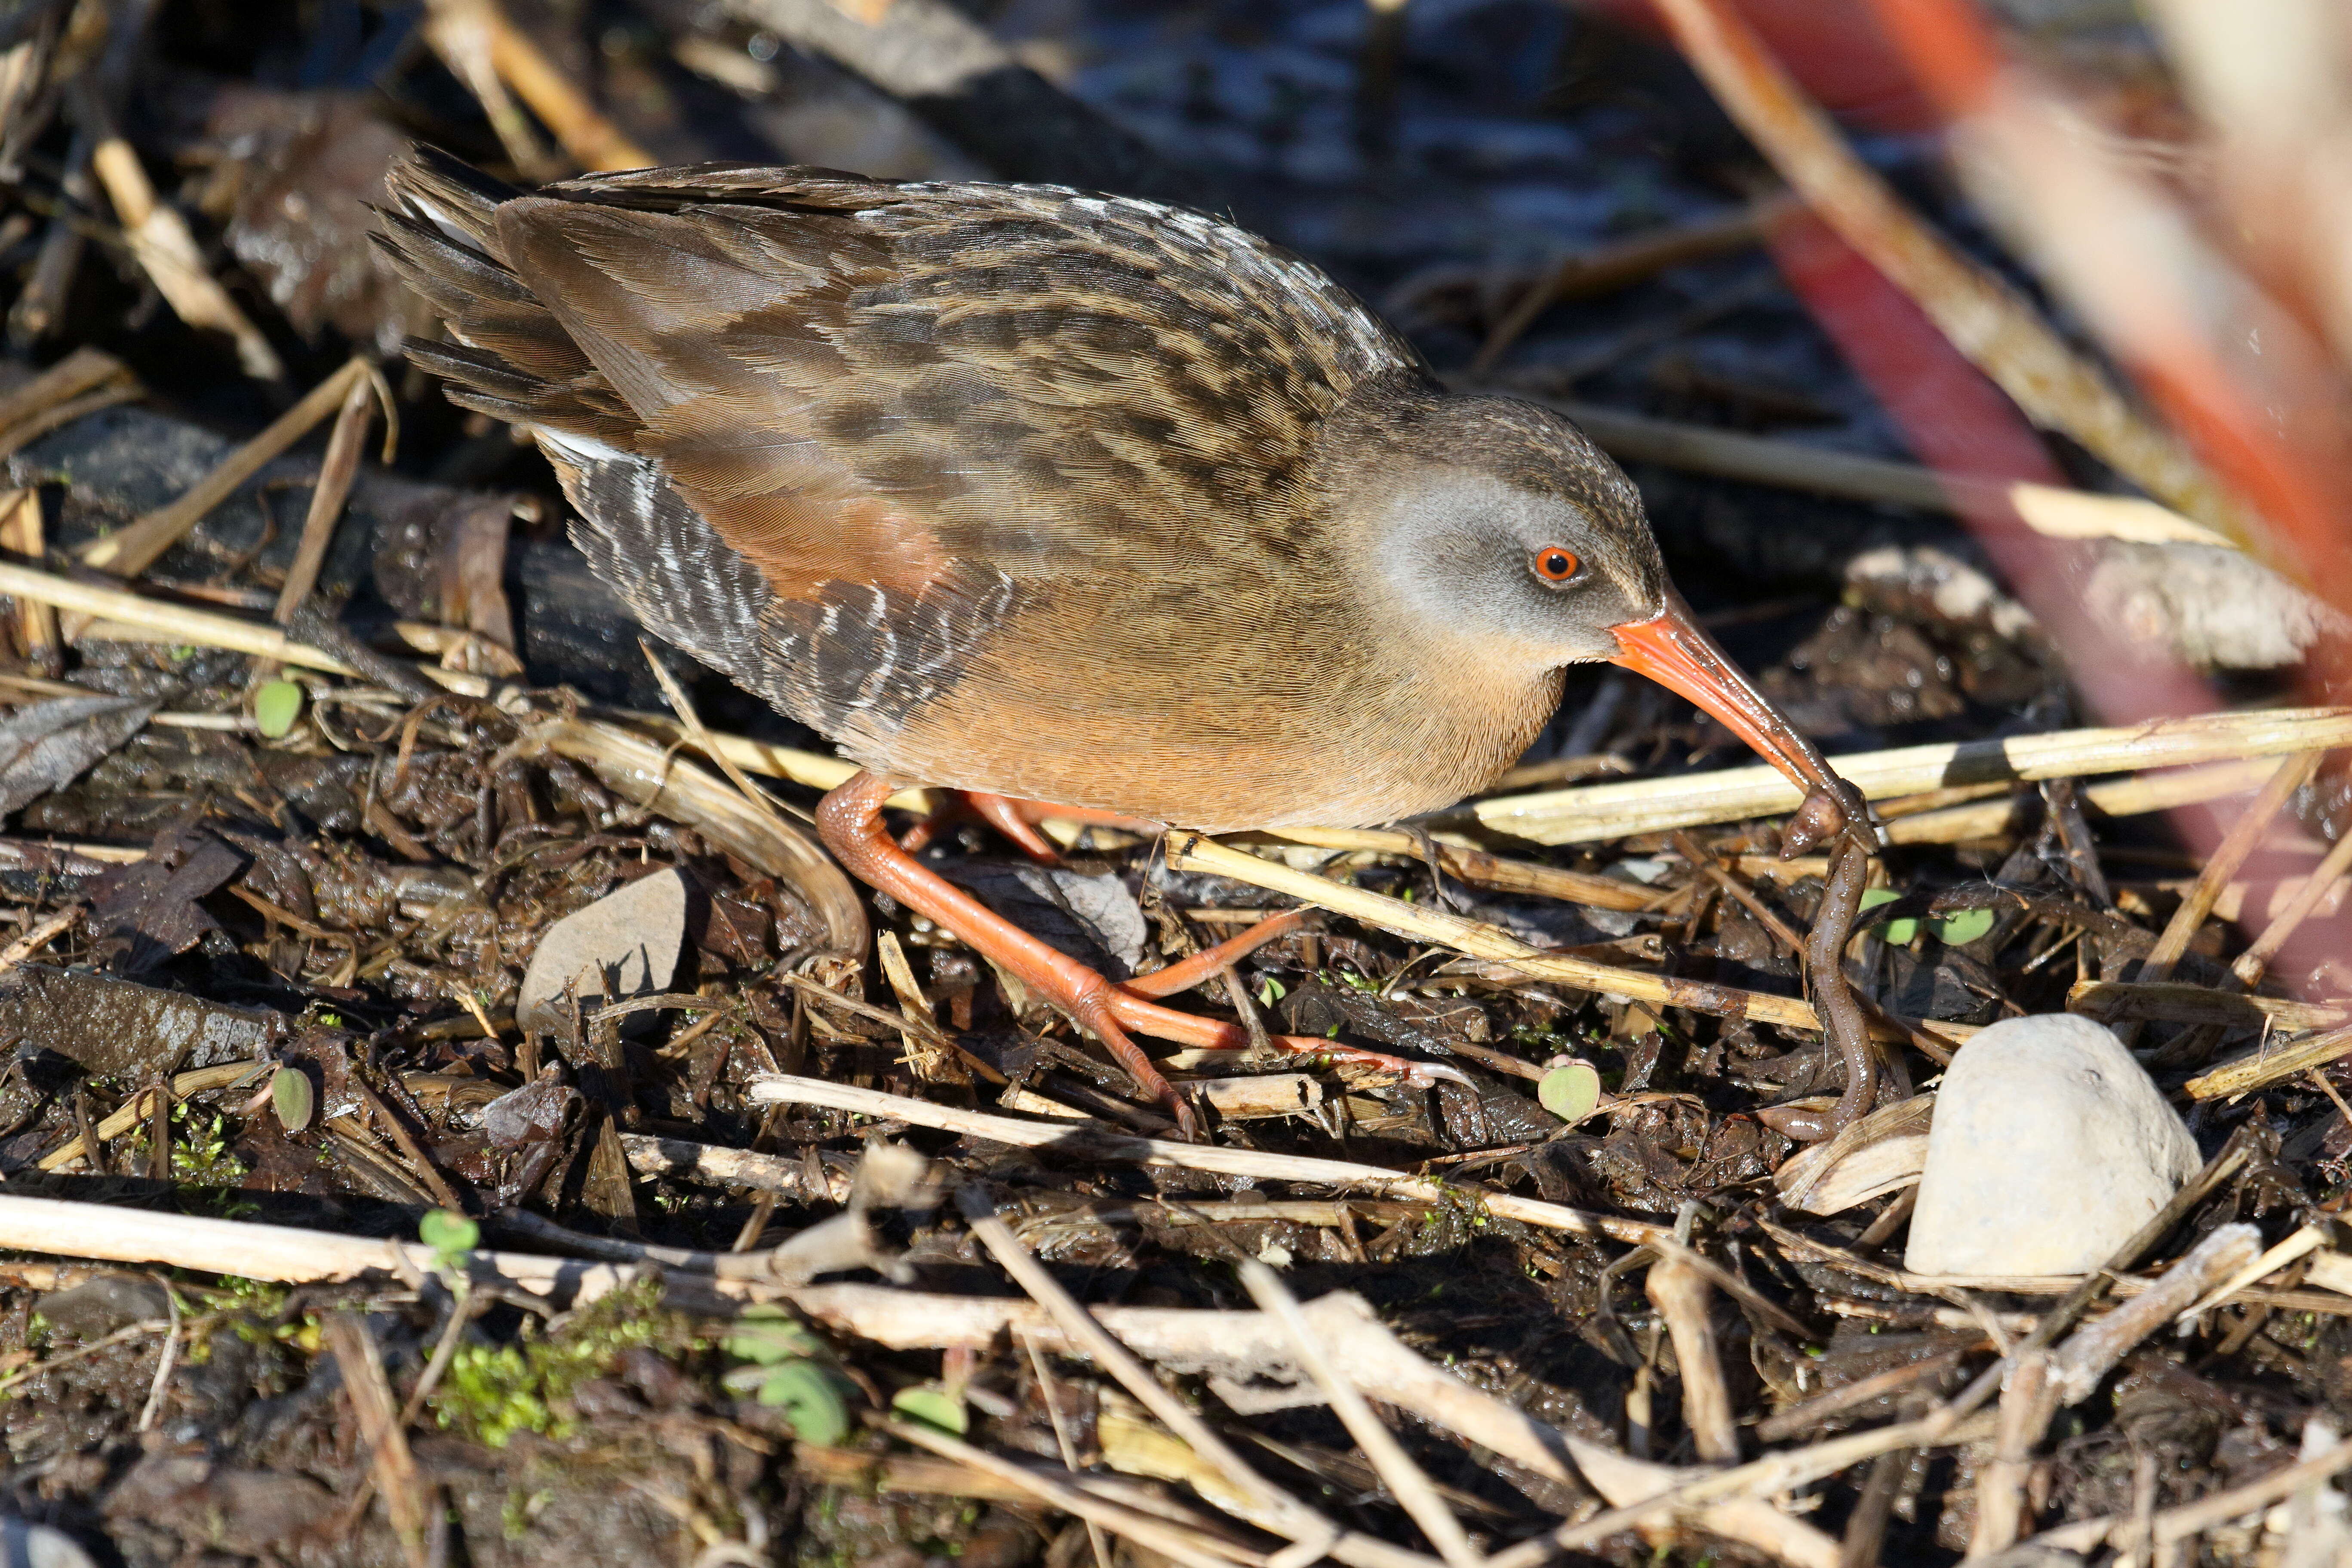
1841 1020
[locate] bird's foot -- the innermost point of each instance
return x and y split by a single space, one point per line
849 819
1132 1004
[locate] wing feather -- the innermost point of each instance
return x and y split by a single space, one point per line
986 367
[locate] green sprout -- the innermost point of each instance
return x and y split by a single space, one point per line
276 704
451 1236
787 1372
933 1406
1953 930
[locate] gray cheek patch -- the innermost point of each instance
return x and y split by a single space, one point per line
1468 529
1452 550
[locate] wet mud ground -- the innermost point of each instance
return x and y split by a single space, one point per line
352 904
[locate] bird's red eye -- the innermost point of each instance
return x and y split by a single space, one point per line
1553 563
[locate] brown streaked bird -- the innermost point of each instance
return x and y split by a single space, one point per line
1067 498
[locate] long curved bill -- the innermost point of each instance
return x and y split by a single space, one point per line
1672 651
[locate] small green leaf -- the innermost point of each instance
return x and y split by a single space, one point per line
1572 1092
1270 992
766 1335
290 1094
276 706
1965 926
447 1232
1900 932
931 1406
810 1402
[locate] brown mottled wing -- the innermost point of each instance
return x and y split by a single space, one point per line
920 409
983 360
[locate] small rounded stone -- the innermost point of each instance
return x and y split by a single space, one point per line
2050 1146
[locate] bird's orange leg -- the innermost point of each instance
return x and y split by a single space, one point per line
1205 964
849 820
1003 813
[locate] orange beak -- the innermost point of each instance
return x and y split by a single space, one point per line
1672 651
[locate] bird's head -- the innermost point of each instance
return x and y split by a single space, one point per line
1498 524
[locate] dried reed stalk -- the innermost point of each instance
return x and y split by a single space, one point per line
1405 1481
2271 1064
1193 852
174 623
1650 806
166 251
83 370
590 138
128 552
2326 882
337 469
23 535
196 1081
1684 1296
1628 260
393 1467
2244 833
778 1089
2135 794
1474 865
2169 1002
2025 1410
271 1252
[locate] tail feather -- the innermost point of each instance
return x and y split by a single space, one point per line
512 360
451 194
485 305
